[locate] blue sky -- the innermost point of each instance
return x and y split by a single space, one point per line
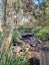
37 1
0 1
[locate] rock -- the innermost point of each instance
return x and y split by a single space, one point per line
16 49
26 48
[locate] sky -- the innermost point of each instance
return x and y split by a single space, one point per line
37 1
0 1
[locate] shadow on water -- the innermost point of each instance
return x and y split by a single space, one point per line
34 61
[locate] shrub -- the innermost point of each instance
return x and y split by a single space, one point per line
25 28
42 33
36 29
16 34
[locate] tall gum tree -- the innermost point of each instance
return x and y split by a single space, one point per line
6 28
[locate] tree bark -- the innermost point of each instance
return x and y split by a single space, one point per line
6 37
3 24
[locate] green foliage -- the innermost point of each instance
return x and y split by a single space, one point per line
25 28
21 60
42 33
6 59
13 61
41 17
16 34
36 29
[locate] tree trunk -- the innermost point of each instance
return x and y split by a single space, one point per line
4 24
6 37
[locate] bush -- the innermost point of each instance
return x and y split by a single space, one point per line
36 29
25 28
16 34
42 33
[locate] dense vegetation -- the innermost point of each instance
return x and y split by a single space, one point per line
39 19
9 58
21 16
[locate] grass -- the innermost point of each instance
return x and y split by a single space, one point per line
9 58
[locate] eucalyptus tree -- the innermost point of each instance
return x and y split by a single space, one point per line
4 3
7 25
